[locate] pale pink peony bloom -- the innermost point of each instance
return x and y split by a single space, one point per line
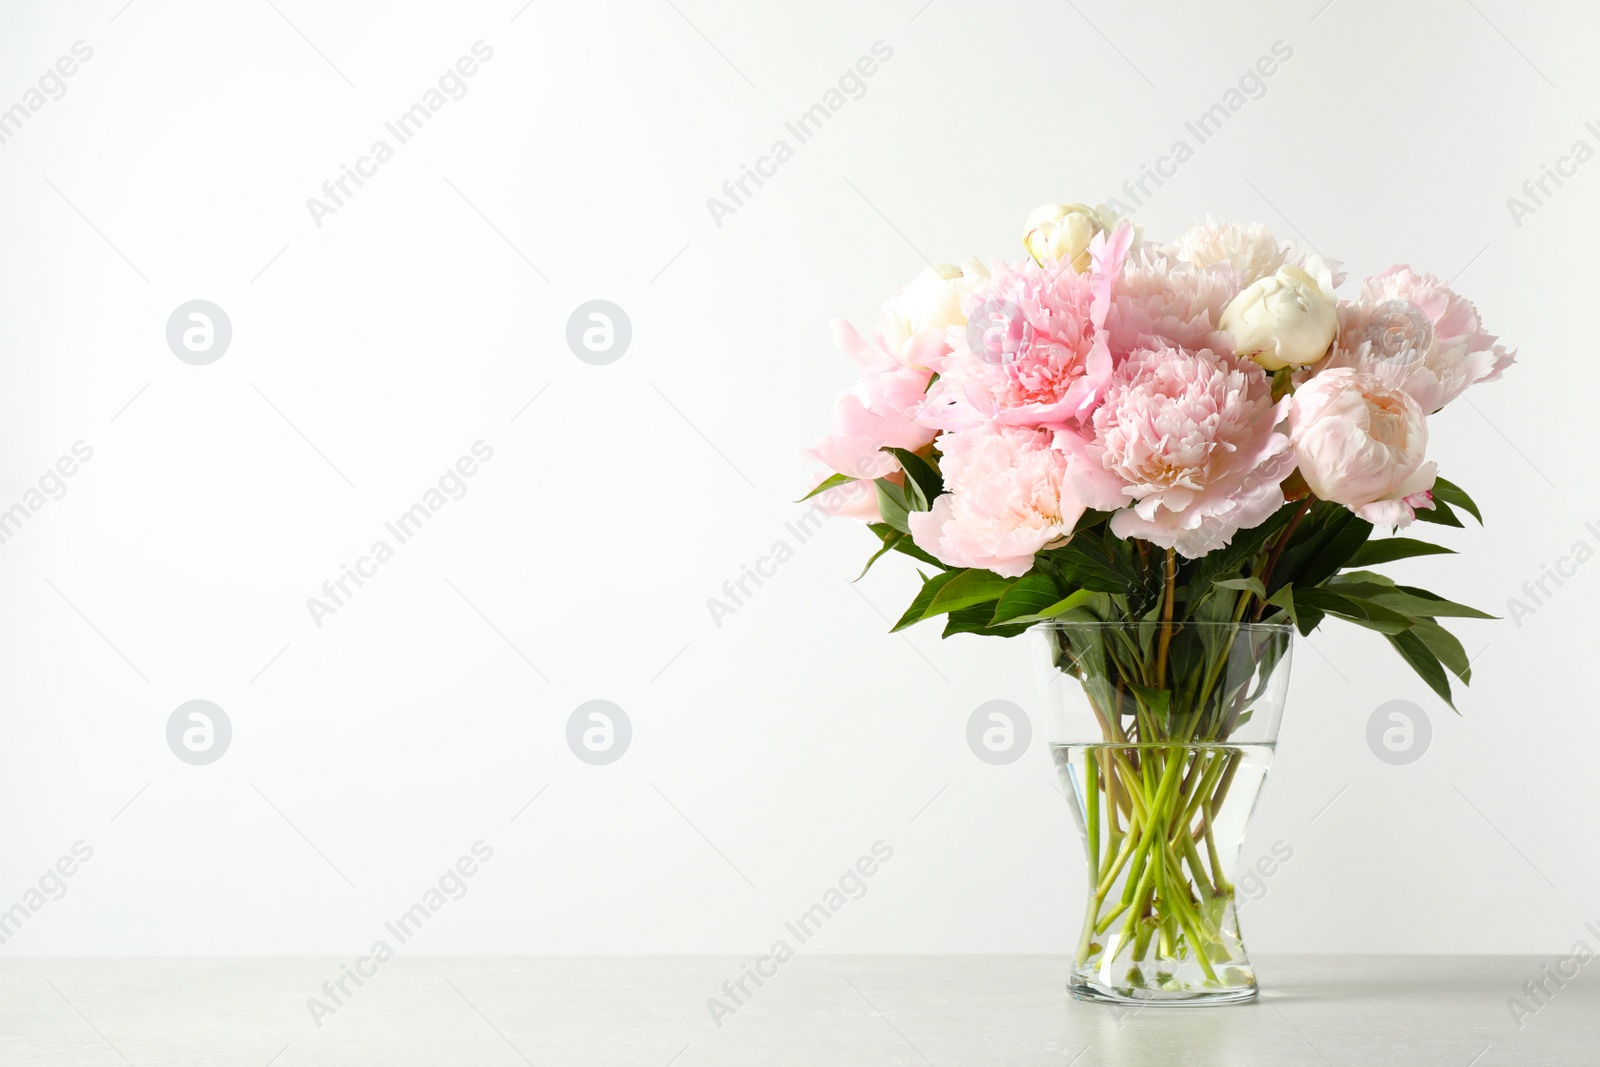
1004 500
1248 251
1414 332
852 500
1033 352
913 324
881 408
879 411
883 405
1184 449
1362 442
1163 300
858 458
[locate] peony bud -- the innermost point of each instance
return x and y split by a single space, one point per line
1361 442
1062 231
913 321
1287 319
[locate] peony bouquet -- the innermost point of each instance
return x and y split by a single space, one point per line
1183 442
1116 427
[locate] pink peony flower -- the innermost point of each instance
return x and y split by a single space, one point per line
1361 442
1415 333
878 411
1004 500
858 458
1033 352
1249 252
1184 449
883 405
913 323
1159 300
853 500
881 409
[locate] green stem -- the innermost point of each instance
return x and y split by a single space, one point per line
1277 549
1110 917
1091 802
1166 617
1128 844
1169 898
1211 851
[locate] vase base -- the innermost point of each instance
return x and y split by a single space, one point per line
1086 989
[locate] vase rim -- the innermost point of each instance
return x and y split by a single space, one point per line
1074 624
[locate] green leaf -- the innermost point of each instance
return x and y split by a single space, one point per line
1340 548
1440 514
1362 577
1251 584
883 530
909 547
1443 644
1247 543
832 481
1072 602
919 606
891 539
1158 701
975 620
1284 598
901 542
1407 599
1390 549
1424 662
923 483
1326 536
1309 619
1451 493
1433 604
1360 611
969 587
1092 567
1031 594
892 504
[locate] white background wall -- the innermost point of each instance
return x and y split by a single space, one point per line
370 752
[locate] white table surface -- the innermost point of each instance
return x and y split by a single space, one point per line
816 1011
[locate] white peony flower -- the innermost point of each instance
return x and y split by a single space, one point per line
917 316
1063 232
1286 319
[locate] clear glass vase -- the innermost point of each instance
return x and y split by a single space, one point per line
1162 734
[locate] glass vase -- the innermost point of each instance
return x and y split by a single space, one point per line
1162 733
